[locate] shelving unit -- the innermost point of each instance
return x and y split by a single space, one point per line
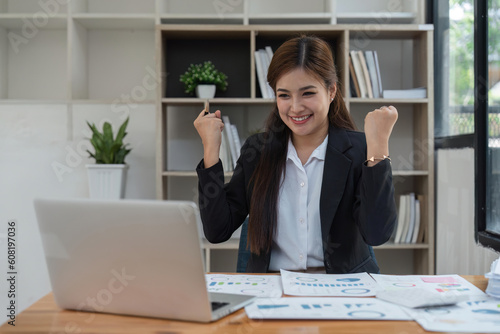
402 47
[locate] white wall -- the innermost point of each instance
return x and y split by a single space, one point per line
42 154
456 250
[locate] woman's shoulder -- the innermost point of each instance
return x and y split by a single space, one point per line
349 137
255 141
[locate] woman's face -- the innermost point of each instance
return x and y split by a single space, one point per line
303 103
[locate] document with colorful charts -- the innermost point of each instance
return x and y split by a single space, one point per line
324 308
255 285
334 285
435 283
482 315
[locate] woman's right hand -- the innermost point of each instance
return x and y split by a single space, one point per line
210 128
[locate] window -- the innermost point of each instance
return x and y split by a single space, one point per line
487 115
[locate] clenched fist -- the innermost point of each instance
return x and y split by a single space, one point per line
209 128
378 128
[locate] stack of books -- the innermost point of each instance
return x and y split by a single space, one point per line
262 60
365 80
410 229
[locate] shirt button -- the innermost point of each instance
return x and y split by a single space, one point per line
301 220
302 184
301 256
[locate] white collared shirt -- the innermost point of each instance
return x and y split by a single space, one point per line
297 243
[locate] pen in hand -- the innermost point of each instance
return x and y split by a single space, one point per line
207 108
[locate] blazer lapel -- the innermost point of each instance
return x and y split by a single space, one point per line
335 172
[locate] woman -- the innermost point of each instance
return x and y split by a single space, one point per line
318 193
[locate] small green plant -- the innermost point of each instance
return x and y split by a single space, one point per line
108 150
205 73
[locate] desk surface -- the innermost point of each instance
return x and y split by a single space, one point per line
45 317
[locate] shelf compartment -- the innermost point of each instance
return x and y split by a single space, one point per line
285 7
377 18
201 19
219 9
382 101
381 12
33 68
133 7
291 18
173 101
182 48
116 21
28 25
115 65
33 7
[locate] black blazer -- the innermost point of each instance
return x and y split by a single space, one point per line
357 206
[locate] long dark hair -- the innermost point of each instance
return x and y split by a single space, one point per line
313 55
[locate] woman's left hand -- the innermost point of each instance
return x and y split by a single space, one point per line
378 129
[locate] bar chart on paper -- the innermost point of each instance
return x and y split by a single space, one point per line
347 285
324 308
255 285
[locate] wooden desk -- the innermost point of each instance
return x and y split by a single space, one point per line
45 317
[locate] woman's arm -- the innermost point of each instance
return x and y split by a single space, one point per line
223 207
376 209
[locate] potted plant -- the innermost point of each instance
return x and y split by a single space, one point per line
203 79
108 175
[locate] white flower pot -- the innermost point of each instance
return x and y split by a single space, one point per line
205 91
107 181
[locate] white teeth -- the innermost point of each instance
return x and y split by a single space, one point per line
298 119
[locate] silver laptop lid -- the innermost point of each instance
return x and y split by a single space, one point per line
131 257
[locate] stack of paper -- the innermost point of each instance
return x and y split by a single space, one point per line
493 288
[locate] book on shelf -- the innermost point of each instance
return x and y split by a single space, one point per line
413 93
411 219
422 230
233 140
416 227
372 71
409 229
353 80
358 73
262 60
225 154
377 70
401 219
366 74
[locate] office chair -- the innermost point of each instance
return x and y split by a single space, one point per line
244 253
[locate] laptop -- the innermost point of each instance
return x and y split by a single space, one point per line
131 257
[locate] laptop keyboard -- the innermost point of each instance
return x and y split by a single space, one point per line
218 305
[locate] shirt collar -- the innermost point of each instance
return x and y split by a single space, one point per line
319 153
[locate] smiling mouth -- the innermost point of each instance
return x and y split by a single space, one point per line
300 119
